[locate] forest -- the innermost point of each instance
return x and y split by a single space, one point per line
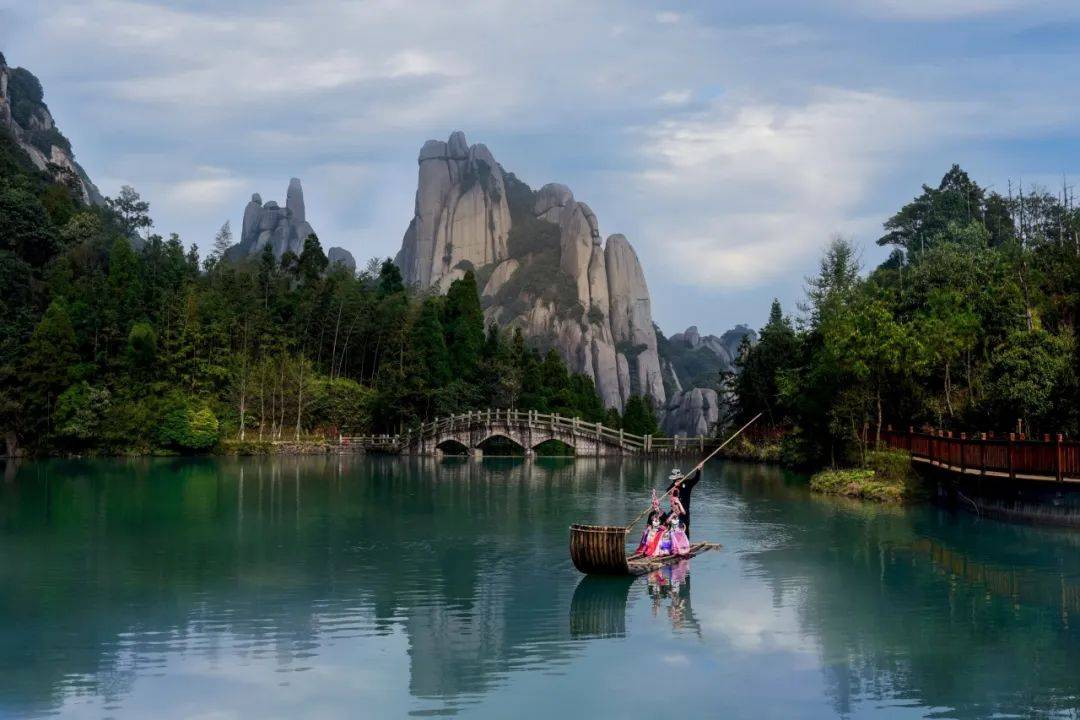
114 339
969 325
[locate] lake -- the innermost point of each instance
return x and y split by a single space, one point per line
353 586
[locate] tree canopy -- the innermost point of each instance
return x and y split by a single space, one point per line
113 338
969 325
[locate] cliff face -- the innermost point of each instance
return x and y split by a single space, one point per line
541 263
725 347
461 220
693 412
24 114
284 229
692 364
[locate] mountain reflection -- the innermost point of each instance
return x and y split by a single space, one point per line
131 561
430 586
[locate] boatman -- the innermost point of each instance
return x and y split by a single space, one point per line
680 487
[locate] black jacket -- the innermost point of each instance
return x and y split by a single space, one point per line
688 483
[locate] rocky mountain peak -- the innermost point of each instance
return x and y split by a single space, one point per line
461 218
24 114
294 200
541 261
284 229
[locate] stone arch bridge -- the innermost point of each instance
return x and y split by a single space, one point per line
527 429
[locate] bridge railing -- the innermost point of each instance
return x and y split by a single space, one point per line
1013 455
552 421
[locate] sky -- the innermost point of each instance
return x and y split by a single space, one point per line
727 141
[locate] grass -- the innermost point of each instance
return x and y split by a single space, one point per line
888 478
759 450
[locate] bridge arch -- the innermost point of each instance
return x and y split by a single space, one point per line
554 447
500 443
452 446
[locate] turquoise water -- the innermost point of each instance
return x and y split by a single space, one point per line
383 587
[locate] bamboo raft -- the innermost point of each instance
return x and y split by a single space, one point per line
601 549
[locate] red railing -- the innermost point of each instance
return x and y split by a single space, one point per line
1013 455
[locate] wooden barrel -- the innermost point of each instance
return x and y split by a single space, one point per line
599 549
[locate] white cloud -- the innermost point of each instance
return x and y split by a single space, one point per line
607 97
204 192
675 97
750 190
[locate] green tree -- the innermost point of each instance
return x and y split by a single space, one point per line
222 241
50 356
187 426
638 416
312 262
464 326
142 346
390 281
80 412
925 221
132 212
1030 378
429 343
759 364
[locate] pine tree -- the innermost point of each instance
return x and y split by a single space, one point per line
47 364
131 210
638 417
312 262
464 326
222 242
429 343
390 281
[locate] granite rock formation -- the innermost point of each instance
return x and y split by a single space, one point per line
725 347
23 113
462 216
692 364
283 228
541 263
692 412
341 256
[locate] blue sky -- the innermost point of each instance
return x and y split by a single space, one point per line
727 141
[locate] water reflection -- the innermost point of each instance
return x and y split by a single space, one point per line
669 592
127 562
930 609
598 608
272 587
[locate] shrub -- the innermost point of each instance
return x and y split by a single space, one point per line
341 404
188 428
533 235
888 478
79 411
857 483
202 429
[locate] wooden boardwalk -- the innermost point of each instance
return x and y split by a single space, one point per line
1016 457
528 429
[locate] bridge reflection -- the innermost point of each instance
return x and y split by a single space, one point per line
137 561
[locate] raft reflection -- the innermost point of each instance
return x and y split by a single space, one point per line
598 608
